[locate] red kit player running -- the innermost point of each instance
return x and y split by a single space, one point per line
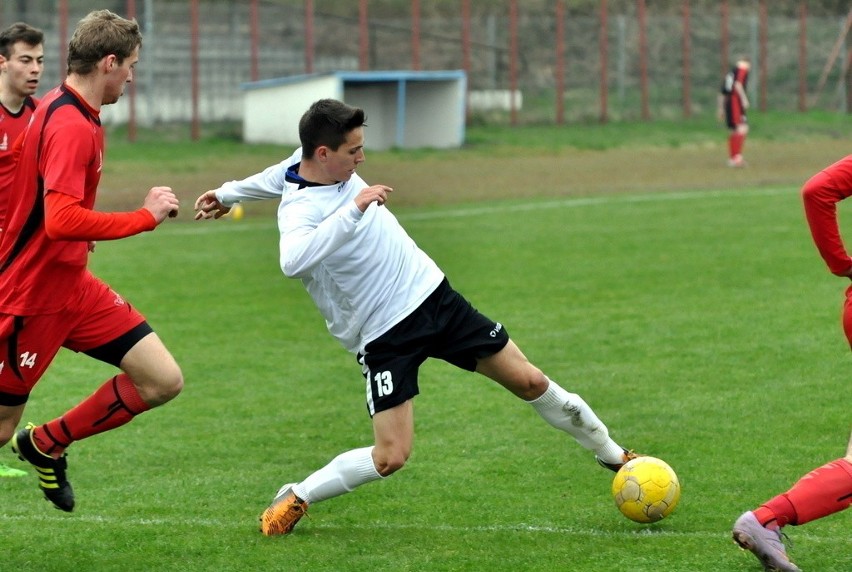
827 489
21 65
48 298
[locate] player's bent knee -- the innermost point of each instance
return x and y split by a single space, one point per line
174 388
172 385
389 462
533 385
165 388
388 468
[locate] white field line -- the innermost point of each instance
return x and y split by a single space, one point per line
207 227
590 201
220 524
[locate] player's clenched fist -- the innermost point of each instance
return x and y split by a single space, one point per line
162 203
376 193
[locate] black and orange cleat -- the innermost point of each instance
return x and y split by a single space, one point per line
615 467
283 513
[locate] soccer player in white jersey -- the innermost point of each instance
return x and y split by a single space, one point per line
387 302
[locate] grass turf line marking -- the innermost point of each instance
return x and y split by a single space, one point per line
205 227
590 201
507 528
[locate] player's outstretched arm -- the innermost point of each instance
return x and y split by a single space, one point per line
65 219
208 205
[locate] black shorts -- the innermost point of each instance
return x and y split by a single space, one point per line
734 113
444 326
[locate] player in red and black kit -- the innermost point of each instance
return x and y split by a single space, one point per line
48 298
733 103
21 64
827 489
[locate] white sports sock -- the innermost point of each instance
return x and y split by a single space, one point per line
568 412
345 472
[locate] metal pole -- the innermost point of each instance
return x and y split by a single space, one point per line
309 36
724 37
803 53
602 46
465 10
643 59
687 55
513 59
764 33
194 62
560 63
415 34
255 40
363 37
131 95
63 38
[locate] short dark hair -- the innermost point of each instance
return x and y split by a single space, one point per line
101 33
19 32
326 123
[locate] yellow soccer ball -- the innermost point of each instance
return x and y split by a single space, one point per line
646 489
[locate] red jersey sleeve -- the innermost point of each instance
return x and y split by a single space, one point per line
820 194
65 219
67 152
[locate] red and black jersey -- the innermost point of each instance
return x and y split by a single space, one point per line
737 74
11 126
733 104
62 150
50 222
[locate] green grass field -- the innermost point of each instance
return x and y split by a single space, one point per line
700 324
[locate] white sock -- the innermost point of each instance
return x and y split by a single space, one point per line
568 412
345 472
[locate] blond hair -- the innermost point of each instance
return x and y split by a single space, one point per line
101 33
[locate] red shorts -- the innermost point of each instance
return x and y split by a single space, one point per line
94 316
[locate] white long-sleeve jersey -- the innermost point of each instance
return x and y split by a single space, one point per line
363 271
268 184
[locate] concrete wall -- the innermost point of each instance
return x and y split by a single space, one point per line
404 109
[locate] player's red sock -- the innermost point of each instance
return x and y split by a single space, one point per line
735 144
821 492
776 512
740 143
112 405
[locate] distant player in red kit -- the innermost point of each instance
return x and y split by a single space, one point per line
21 64
733 103
827 489
48 298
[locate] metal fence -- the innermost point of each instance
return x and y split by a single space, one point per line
612 60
